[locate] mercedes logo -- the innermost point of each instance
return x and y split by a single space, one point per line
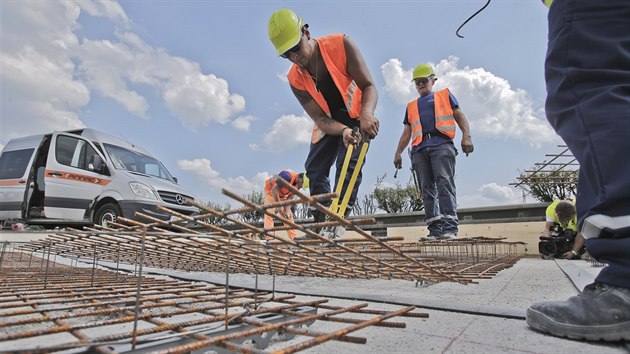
179 199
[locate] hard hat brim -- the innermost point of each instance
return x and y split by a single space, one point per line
434 78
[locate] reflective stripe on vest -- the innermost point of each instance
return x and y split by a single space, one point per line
334 54
444 120
414 120
282 191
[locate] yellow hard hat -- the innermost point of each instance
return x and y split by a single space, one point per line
305 182
422 70
285 30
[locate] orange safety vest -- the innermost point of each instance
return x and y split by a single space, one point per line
444 120
283 192
334 55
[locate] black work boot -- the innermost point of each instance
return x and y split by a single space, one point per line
318 216
600 312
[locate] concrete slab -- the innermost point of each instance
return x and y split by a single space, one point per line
22 236
579 275
487 317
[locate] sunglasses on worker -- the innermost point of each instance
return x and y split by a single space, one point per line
294 49
422 80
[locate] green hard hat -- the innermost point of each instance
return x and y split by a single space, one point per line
285 30
305 182
422 70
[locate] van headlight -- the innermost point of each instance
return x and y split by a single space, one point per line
142 190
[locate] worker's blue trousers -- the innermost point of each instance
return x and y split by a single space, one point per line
587 70
321 157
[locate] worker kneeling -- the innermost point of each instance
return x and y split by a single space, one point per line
274 192
560 238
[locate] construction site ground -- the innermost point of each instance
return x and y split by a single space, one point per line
484 317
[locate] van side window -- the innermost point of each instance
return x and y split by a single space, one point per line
74 152
13 163
99 148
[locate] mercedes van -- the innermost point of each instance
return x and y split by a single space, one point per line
84 177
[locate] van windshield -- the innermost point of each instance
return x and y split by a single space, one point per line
125 159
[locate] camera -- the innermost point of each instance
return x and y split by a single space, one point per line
560 242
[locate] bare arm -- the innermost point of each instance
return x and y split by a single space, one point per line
577 246
358 70
462 122
275 190
319 117
402 144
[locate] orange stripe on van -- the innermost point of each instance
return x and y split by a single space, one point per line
11 182
78 177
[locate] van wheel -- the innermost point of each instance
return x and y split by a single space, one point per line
107 213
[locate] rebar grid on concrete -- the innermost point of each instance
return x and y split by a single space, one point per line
92 310
184 244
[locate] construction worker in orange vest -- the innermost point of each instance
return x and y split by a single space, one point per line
274 192
333 84
430 125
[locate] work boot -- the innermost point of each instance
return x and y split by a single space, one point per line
429 237
318 216
333 232
600 312
337 232
446 236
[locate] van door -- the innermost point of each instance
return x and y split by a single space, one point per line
13 180
75 175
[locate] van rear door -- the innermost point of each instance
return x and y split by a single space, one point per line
13 180
75 175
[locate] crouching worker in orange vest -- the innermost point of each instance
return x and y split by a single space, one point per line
274 192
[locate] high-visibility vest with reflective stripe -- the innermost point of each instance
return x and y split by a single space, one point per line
444 120
334 55
282 191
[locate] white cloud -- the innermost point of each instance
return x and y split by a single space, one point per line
289 131
202 168
496 192
493 108
107 9
47 73
243 122
490 194
192 96
284 76
397 81
39 90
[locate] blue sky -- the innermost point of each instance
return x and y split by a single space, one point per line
198 83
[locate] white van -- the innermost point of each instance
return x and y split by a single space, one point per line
84 177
